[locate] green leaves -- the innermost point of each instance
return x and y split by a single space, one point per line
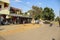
40 13
57 18
48 14
35 12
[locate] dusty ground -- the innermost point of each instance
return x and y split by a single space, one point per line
11 29
30 32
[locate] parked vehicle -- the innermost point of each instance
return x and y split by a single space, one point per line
37 21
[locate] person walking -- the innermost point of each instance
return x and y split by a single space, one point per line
51 24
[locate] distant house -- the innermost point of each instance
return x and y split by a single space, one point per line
15 13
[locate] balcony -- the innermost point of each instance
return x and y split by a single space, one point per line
4 8
4 11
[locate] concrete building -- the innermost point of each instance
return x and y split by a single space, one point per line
4 10
12 14
4 7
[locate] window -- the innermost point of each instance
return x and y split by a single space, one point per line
0 7
5 5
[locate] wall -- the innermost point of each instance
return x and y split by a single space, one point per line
4 10
7 1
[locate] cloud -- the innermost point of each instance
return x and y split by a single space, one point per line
40 3
28 2
18 1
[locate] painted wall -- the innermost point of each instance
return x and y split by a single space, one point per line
7 1
4 10
18 12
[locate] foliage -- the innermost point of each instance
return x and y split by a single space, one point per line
57 18
48 14
25 13
40 13
35 12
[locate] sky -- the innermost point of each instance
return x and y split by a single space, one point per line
26 5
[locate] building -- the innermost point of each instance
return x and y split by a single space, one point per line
15 11
16 16
4 9
11 14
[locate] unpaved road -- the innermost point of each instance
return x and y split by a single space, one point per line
42 33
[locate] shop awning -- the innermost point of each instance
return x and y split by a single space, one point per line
15 15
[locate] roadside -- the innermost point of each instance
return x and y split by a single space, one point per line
11 29
33 32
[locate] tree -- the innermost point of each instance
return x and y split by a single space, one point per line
48 14
57 18
35 12
25 13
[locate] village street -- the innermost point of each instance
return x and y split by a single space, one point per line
43 32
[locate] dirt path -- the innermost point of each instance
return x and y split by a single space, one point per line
11 29
43 32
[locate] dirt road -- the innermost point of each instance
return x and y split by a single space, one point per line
43 32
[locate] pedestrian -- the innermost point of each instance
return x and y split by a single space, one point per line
51 24
24 22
